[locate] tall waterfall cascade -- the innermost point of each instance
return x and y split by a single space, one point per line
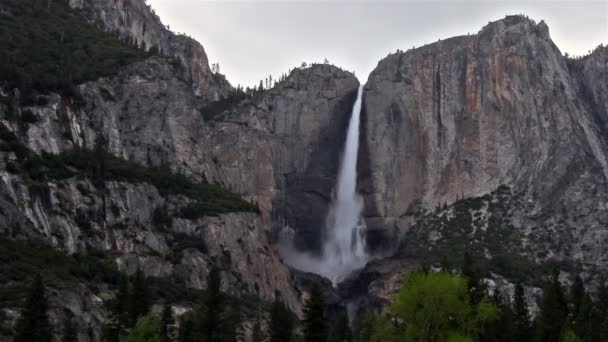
344 243
343 250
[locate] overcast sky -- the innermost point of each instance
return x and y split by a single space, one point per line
252 39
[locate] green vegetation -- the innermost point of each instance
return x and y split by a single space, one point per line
436 307
442 307
100 166
147 329
165 322
33 325
482 227
281 322
314 324
20 260
47 46
215 319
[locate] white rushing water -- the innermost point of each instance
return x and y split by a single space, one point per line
344 241
344 245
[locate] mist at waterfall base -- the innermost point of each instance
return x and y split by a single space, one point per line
343 248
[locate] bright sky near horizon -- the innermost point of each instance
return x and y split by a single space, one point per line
253 39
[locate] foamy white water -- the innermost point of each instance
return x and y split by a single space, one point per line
344 246
344 239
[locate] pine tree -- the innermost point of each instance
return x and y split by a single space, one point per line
281 322
577 295
553 312
601 312
69 333
165 323
502 329
212 308
477 288
140 302
147 329
33 325
315 327
579 307
521 315
583 323
121 304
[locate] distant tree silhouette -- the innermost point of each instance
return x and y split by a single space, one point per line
139 297
33 325
521 313
315 325
281 322
553 312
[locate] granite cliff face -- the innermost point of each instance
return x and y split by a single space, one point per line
136 22
279 149
282 149
493 144
271 149
462 116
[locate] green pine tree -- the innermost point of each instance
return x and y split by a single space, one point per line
33 325
69 333
121 304
553 314
211 308
580 307
521 315
166 322
139 297
583 324
315 326
502 329
477 288
147 329
576 295
281 322
218 320
601 311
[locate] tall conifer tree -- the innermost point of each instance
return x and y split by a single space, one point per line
553 314
315 326
33 325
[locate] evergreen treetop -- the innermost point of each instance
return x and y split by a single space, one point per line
33 325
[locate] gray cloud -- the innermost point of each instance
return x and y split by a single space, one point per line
252 39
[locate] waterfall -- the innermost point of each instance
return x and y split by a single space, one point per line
343 249
344 245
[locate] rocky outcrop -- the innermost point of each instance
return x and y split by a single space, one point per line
279 148
282 149
136 22
462 116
